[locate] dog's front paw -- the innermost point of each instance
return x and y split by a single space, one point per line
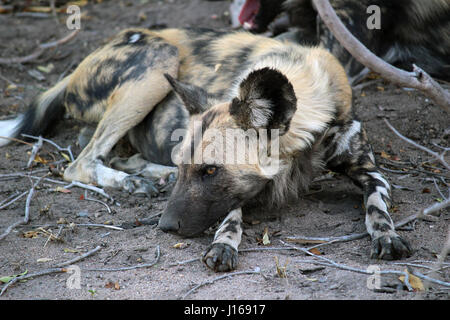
390 246
220 257
139 185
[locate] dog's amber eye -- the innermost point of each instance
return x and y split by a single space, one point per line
211 170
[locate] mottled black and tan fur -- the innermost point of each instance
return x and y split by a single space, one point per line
411 31
147 84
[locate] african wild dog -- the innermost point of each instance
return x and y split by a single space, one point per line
133 86
411 31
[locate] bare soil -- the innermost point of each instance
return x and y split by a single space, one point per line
333 208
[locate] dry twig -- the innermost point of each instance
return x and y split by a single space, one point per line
145 265
439 157
257 270
350 237
60 268
88 187
27 212
99 226
417 79
68 149
5 205
330 263
36 147
31 275
84 256
96 200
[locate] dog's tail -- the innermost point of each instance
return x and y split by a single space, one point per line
43 112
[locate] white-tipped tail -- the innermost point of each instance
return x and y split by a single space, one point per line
8 128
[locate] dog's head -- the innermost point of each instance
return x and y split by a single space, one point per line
229 151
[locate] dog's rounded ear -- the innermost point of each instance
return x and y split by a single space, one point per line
194 98
266 100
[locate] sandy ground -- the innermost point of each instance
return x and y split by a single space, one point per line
333 208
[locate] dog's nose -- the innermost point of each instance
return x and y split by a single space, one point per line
168 225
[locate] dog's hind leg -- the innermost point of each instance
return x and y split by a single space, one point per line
127 105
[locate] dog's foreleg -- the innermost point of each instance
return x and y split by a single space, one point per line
350 153
222 254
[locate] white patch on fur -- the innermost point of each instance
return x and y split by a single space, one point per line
134 38
109 177
383 191
8 128
372 158
221 234
376 200
378 176
261 113
344 140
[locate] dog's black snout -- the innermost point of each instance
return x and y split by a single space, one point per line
169 225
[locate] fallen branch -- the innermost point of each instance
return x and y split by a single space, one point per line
417 79
257 270
40 50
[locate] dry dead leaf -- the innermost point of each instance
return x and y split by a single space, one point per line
112 285
281 271
265 238
65 156
63 190
384 155
31 234
426 190
46 69
61 221
315 251
39 159
414 281
180 245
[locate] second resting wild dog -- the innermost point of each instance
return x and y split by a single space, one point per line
147 84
